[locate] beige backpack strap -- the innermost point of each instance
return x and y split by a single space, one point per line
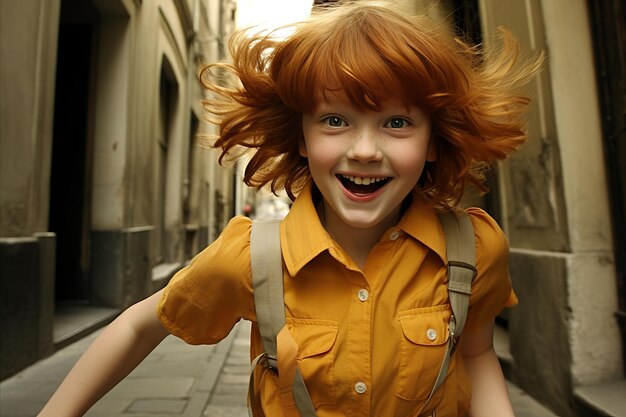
267 281
267 266
461 254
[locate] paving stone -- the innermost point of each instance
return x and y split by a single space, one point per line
159 387
238 359
222 411
239 389
237 369
172 367
234 379
241 341
108 407
229 399
158 405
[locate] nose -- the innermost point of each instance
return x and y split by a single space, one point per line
365 147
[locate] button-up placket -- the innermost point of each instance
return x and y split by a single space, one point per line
359 343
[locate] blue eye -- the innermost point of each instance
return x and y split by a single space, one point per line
335 121
397 123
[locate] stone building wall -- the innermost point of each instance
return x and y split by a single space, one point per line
104 191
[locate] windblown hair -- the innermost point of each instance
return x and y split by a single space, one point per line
369 52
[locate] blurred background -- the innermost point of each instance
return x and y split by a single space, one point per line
105 192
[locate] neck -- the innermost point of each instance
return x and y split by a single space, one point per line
357 242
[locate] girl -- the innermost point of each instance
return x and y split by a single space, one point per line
376 121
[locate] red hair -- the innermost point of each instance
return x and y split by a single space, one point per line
370 52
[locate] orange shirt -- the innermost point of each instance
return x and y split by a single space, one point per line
370 341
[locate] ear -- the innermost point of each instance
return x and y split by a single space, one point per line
431 153
302 148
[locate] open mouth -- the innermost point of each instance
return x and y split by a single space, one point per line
362 185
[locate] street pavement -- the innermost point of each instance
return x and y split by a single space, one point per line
175 380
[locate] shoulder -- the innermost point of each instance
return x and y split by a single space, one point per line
203 300
228 256
237 229
492 252
491 288
491 242
235 237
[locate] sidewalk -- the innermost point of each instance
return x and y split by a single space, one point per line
176 380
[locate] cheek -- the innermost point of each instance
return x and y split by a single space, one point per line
322 152
320 159
409 161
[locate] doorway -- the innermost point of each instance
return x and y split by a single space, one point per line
69 188
71 170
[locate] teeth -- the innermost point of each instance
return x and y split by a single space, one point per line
364 180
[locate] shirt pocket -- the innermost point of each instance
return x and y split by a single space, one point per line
423 346
316 341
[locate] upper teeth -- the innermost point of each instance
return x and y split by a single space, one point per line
364 180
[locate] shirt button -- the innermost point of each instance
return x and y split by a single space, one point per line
360 387
394 235
363 294
431 334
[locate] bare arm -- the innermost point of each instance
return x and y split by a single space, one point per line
113 355
490 396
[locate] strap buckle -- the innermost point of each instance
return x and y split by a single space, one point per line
454 339
269 362
266 361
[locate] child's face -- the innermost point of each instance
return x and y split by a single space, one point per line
365 163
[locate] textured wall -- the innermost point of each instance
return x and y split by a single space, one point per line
553 193
19 304
27 83
538 327
594 337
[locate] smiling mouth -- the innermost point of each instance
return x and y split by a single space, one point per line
362 185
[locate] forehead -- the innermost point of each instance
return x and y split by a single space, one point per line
325 98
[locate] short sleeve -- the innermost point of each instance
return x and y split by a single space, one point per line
204 300
491 289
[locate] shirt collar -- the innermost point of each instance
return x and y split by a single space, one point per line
303 230
308 238
422 223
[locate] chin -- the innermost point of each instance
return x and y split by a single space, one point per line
363 222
